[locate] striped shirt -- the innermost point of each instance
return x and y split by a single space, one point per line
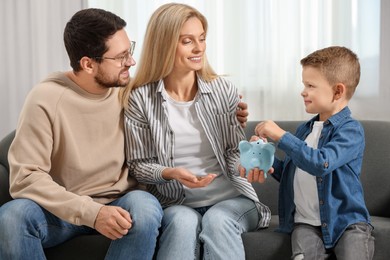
150 140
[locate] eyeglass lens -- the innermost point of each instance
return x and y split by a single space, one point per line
129 54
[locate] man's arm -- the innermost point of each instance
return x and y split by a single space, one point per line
30 164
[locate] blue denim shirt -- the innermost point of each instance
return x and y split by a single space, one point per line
336 163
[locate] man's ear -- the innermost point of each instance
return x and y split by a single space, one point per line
339 91
86 64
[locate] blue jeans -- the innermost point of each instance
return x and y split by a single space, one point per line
26 229
215 231
356 243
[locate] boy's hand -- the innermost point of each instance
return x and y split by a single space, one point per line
269 129
255 138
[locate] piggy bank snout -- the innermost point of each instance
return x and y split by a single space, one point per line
255 161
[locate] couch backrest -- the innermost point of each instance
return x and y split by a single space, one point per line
375 174
376 167
4 168
375 170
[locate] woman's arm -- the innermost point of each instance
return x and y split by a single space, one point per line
141 155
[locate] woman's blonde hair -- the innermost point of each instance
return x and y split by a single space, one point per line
159 48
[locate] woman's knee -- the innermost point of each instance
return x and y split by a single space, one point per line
181 217
139 201
143 207
216 221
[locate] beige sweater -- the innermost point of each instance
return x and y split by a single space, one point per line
68 152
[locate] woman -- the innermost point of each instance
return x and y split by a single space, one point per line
182 141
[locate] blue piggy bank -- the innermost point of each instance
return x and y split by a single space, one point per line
256 154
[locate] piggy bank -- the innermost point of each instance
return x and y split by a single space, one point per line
256 154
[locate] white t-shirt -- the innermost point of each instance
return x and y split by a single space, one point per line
305 186
193 151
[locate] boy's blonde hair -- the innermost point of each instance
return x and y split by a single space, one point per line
159 48
338 65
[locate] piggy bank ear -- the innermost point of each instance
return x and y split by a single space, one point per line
267 156
244 146
270 147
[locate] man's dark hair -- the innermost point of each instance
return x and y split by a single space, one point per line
87 32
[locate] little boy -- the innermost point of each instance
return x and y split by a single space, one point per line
321 197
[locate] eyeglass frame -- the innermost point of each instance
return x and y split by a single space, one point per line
123 58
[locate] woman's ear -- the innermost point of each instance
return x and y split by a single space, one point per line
339 91
86 64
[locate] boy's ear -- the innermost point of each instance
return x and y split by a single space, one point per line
339 91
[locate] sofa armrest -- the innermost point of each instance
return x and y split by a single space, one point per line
4 168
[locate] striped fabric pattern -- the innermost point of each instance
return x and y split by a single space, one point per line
150 140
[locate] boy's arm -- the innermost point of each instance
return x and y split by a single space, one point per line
345 144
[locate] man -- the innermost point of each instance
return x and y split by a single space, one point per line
67 171
67 161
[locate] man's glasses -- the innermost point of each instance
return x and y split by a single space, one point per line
122 58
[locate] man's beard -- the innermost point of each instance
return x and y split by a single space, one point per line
106 82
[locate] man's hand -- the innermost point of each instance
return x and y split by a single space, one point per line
187 178
113 222
242 113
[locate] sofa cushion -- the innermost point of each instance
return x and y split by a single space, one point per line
375 174
381 234
266 243
85 247
4 145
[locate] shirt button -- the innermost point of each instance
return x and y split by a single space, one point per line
319 179
326 165
321 202
324 225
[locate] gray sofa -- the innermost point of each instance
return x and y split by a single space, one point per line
266 243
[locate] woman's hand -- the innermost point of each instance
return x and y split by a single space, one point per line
187 178
255 174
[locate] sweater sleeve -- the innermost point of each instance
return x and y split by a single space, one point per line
30 164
